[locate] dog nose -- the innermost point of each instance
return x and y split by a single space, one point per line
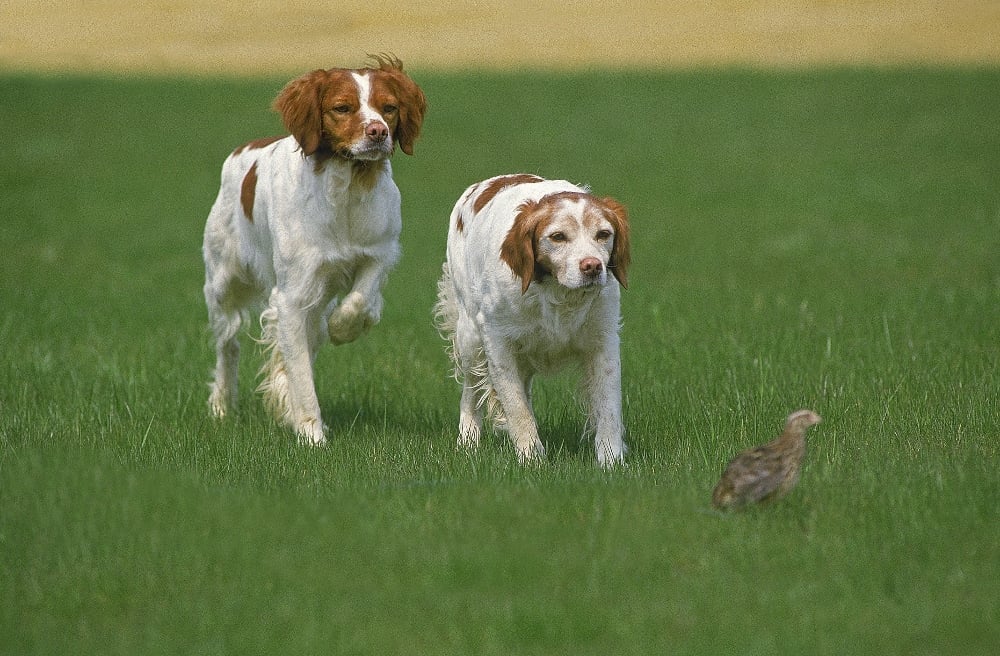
591 266
377 131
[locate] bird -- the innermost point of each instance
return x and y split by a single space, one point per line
768 472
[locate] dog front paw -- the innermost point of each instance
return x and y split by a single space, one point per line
468 436
220 401
530 452
311 432
610 453
217 407
352 318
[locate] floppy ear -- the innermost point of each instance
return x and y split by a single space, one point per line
621 252
412 106
412 103
299 104
518 248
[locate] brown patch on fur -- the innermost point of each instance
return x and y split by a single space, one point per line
499 184
248 192
391 87
257 143
520 245
307 103
621 250
469 193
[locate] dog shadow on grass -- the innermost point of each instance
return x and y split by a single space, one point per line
564 434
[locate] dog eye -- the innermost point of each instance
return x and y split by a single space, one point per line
342 109
558 237
603 235
389 109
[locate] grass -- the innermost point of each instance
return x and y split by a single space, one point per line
825 239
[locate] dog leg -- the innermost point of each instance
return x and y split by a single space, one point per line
470 417
224 386
509 383
471 371
288 385
602 386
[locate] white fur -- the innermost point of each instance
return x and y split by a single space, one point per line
317 252
501 338
368 114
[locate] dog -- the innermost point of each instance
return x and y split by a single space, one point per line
308 226
530 284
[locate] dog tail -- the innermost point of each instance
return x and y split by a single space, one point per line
486 394
446 315
274 379
446 322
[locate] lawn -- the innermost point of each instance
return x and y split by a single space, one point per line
826 239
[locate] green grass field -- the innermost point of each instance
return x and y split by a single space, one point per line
828 239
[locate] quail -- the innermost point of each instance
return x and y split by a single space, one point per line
767 472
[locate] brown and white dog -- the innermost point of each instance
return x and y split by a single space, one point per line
531 283
308 225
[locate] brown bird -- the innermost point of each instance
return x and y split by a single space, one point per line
768 472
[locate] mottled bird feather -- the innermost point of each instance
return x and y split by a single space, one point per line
767 472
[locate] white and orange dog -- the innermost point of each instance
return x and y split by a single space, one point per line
308 226
529 286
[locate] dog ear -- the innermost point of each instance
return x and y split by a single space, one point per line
299 104
412 102
412 106
621 251
518 248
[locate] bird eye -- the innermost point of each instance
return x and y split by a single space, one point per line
603 235
558 237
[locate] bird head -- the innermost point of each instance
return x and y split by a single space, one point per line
800 420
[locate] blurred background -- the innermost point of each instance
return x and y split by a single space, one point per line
249 38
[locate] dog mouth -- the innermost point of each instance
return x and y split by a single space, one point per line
372 150
584 282
365 151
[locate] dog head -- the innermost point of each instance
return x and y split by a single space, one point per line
572 236
355 114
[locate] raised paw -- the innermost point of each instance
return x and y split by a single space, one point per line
351 319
